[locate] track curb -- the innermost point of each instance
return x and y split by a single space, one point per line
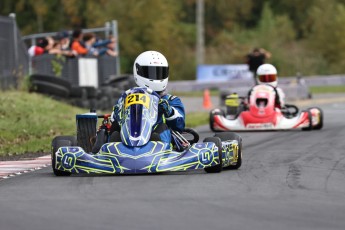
9 169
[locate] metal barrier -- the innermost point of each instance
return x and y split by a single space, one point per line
15 62
14 58
74 69
109 28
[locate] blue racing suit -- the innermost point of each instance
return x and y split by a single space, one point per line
175 119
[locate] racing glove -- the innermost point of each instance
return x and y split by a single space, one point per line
165 108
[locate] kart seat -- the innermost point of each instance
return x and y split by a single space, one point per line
115 137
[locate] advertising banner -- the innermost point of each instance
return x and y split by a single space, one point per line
223 72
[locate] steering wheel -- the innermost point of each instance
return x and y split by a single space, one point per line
290 110
193 133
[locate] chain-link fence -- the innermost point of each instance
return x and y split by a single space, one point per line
14 58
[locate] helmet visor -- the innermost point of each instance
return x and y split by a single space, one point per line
153 72
268 78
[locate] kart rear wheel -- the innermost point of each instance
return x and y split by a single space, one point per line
217 168
86 132
58 142
232 136
212 113
211 122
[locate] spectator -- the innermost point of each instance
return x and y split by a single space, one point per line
64 40
62 45
89 43
256 58
77 42
38 49
99 47
49 49
111 51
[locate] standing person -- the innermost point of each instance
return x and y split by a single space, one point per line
256 58
151 70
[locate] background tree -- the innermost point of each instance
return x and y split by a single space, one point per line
303 36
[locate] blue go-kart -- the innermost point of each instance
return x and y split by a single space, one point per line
135 149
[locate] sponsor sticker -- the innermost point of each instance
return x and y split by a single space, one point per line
260 126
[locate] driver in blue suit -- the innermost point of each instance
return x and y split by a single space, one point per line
151 70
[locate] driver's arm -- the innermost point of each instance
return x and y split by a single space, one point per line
116 115
177 120
281 95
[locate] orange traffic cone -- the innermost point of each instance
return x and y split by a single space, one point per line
207 104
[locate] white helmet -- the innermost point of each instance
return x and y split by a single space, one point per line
151 70
267 74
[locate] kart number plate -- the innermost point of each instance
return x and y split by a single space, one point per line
137 99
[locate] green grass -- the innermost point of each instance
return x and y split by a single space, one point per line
29 121
327 89
196 119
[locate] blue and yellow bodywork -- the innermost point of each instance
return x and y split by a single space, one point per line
154 157
135 153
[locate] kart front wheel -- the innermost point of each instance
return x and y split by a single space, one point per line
58 142
229 136
217 168
320 124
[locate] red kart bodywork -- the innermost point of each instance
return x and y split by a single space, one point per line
263 114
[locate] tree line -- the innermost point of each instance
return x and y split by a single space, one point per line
305 37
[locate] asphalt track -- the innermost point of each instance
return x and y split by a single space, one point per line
288 180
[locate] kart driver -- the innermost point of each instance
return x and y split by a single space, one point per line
151 70
267 75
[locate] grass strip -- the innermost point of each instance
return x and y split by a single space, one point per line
327 89
29 121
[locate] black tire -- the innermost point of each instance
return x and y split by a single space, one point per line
192 132
122 82
232 136
112 95
51 79
78 92
49 89
217 168
58 142
86 131
310 127
80 102
320 125
91 92
211 121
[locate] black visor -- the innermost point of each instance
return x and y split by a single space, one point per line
153 72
